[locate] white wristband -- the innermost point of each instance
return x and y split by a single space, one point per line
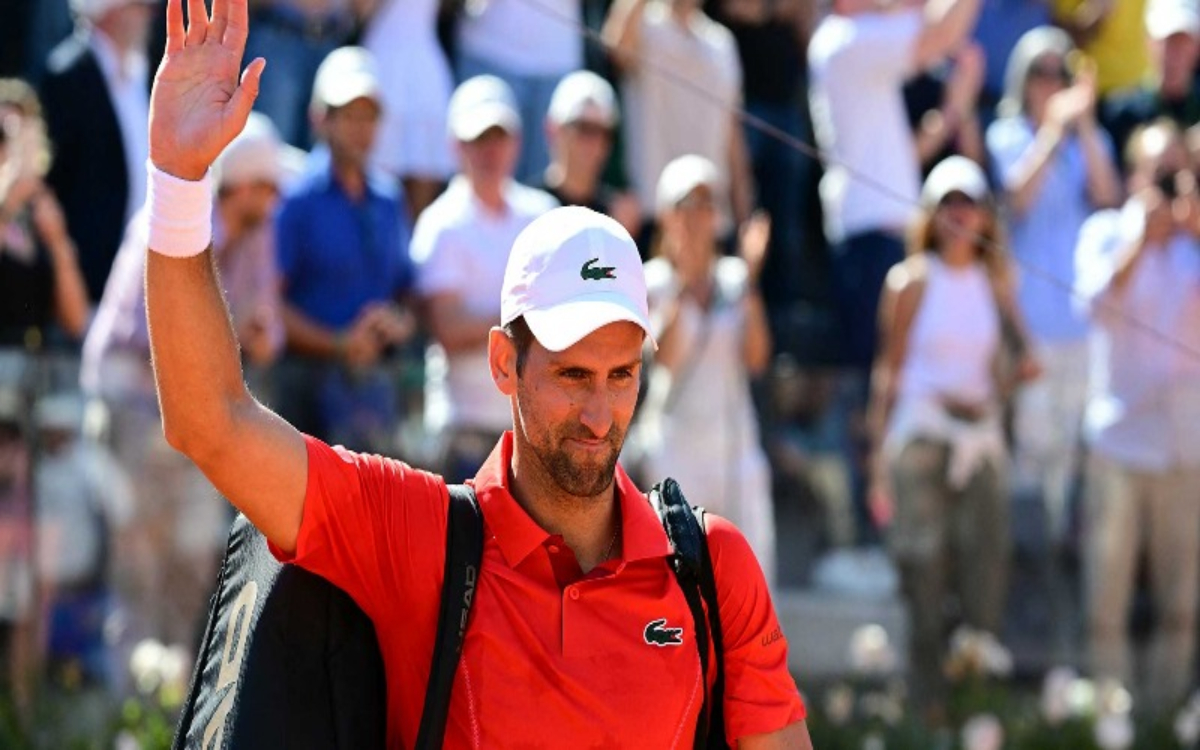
179 213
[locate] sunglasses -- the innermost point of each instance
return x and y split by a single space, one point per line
591 129
1056 73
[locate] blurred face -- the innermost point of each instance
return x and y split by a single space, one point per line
128 25
252 203
690 231
350 131
1161 156
960 218
490 158
584 145
1047 76
574 407
1176 56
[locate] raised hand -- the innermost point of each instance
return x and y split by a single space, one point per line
198 104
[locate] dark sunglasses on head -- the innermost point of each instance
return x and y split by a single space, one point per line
1050 73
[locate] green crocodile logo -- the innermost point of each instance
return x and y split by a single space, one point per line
597 273
656 634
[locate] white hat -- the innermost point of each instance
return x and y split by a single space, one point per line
479 104
1167 17
955 174
682 176
346 74
583 96
572 271
96 9
256 154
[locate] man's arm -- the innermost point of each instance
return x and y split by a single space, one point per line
948 23
792 737
622 33
257 460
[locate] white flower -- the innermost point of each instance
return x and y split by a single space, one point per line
1112 697
873 742
1056 690
174 665
1187 723
1114 731
983 732
126 741
871 651
1081 697
145 665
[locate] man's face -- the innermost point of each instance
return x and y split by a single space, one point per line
252 202
585 145
1176 57
490 158
350 130
128 25
573 407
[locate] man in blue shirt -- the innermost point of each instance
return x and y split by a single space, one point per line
342 239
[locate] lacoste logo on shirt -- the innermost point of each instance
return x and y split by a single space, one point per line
657 634
595 274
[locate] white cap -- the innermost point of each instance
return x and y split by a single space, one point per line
682 176
572 271
479 104
256 154
955 174
1167 17
583 96
94 10
346 74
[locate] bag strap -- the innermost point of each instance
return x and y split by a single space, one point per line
692 565
464 550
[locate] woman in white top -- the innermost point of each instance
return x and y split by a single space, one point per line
697 423
416 84
939 465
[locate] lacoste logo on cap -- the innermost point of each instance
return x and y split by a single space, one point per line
657 634
597 273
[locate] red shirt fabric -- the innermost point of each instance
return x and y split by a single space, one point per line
552 657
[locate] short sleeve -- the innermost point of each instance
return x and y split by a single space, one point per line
760 694
881 45
371 526
1007 141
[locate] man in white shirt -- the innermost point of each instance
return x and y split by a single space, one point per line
659 45
530 46
96 96
1139 275
859 57
460 247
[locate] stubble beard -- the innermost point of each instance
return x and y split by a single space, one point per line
579 479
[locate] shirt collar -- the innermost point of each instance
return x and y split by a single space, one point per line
117 67
518 535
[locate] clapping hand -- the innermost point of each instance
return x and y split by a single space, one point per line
753 240
199 101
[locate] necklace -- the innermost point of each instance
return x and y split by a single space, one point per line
611 543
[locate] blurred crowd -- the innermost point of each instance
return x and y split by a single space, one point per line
986 287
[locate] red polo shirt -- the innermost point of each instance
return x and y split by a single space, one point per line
552 658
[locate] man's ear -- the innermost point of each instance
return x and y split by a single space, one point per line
502 359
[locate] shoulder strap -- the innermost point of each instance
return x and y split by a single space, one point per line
464 550
692 566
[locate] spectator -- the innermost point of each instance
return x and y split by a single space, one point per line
936 418
341 240
859 59
529 46
1142 263
84 503
415 85
580 127
460 246
1054 164
698 423
1112 34
295 35
40 281
771 37
96 94
1173 28
165 568
656 44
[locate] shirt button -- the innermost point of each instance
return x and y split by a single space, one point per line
554 549
573 593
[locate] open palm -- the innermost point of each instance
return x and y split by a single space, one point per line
198 103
